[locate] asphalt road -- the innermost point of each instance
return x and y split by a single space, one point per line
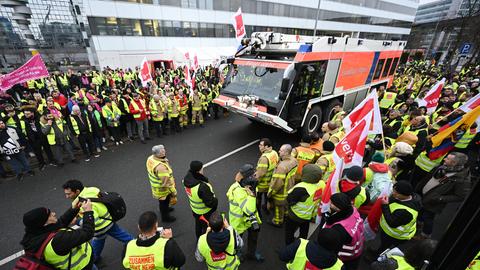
122 169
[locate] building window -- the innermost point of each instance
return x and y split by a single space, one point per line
147 28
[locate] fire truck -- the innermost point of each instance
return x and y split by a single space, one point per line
295 82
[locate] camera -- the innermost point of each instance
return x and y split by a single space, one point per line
253 220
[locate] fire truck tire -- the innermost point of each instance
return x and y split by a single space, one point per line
313 122
328 112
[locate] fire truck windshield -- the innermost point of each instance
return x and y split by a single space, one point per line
263 82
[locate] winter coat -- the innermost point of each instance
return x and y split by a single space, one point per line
453 188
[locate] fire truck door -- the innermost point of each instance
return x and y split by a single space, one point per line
299 97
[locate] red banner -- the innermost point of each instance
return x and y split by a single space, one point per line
238 24
33 69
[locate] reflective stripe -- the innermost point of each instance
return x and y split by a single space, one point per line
405 232
425 163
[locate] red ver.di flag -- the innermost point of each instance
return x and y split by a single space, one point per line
238 24
33 69
145 74
430 101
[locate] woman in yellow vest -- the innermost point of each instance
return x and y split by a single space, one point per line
154 248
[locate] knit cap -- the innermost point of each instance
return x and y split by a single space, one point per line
36 218
378 157
196 166
311 173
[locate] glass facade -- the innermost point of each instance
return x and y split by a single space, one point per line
56 30
293 11
111 26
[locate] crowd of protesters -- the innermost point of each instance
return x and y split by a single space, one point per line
52 117
400 174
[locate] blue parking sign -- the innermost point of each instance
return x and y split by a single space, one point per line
465 48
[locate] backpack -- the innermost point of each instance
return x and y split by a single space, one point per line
114 202
35 261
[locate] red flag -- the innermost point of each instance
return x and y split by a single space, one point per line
369 104
431 98
188 79
471 104
195 62
238 24
348 152
145 73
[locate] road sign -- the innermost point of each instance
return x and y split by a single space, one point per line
465 49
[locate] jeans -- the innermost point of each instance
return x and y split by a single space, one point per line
116 232
143 128
86 139
158 127
37 146
98 141
19 163
58 151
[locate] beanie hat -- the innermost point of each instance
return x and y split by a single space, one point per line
36 218
75 108
329 239
247 170
106 100
402 148
354 173
341 201
378 157
328 146
311 173
196 166
404 188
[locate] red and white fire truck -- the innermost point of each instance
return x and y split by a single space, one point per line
293 82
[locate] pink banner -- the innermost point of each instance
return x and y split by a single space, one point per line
31 70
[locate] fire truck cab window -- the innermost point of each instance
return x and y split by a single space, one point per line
263 82
310 80
379 68
387 67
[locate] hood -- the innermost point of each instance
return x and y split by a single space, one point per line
32 240
319 256
378 167
414 203
192 179
218 241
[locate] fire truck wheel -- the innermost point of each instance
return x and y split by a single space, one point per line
328 113
313 121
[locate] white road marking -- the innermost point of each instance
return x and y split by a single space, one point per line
230 153
20 253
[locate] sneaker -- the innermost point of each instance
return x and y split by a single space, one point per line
53 164
104 148
31 154
121 142
99 150
116 143
112 139
104 140
43 166
97 155
87 159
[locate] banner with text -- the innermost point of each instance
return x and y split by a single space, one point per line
33 69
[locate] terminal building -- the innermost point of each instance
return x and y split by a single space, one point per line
122 33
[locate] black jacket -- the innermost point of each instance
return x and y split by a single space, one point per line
64 240
173 257
82 126
192 179
298 194
316 254
30 125
401 217
332 218
452 189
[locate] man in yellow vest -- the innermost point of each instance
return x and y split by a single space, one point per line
197 100
304 154
82 129
219 246
157 113
104 224
112 114
398 223
388 100
154 248
57 136
283 179
140 114
325 161
319 253
302 201
200 196
65 248
160 175
243 214
265 166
